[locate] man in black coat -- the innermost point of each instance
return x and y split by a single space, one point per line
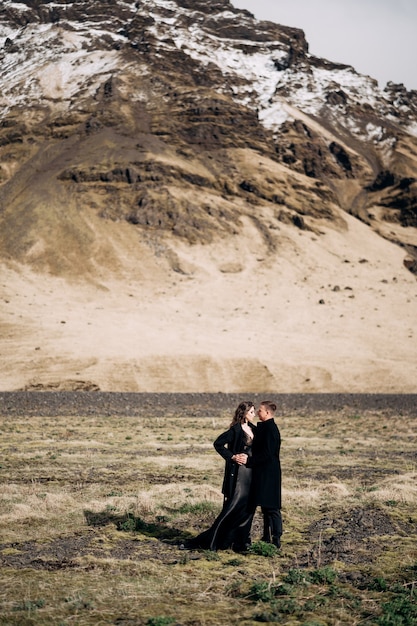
266 473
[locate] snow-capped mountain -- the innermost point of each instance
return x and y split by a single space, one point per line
196 75
60 49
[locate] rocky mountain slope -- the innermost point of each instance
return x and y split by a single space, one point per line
163 162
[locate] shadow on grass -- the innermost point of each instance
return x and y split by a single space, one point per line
130 523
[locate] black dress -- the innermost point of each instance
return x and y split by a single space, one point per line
231 528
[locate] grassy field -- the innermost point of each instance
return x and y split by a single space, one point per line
92 510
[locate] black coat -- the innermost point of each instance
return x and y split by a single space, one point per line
265 462
227 444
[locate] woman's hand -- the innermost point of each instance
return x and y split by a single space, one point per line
240 458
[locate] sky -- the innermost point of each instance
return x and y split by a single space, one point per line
377 37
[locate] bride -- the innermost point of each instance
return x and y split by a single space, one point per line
231 529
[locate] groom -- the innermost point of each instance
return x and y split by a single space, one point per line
266 473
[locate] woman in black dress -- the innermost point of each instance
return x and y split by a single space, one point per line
231 529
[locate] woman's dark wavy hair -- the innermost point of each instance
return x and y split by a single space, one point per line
240 413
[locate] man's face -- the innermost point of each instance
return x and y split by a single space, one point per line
263 413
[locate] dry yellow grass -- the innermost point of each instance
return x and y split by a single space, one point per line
92 510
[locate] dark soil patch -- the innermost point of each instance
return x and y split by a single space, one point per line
355 536
68 552
362 475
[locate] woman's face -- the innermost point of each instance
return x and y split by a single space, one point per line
250 414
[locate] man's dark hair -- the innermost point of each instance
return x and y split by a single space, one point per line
271 406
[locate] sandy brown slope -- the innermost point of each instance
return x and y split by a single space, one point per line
294 311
